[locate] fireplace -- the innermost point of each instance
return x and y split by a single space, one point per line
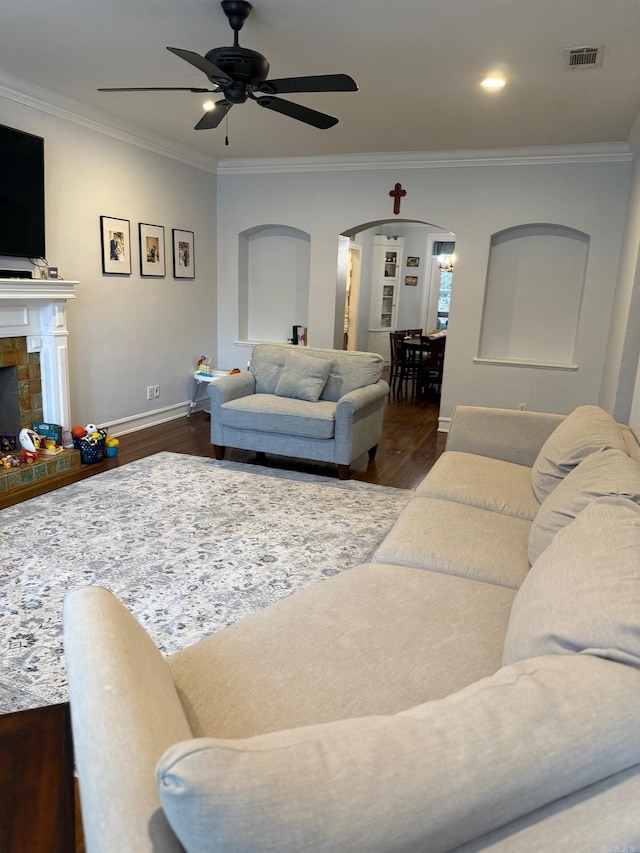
10 415
33 353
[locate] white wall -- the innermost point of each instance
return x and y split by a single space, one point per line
126 332
473 199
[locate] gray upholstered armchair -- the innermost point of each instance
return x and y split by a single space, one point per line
310 403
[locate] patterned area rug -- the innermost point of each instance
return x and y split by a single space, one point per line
189 544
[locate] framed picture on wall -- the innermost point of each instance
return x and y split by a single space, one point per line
412 261
116 245
183 257
411 280
151 249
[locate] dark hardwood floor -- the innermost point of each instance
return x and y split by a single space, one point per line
410 445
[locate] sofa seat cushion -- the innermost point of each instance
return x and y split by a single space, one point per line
428 779
303 377
606 472
372 639
283 415
583 592
586 430
483 482
458 539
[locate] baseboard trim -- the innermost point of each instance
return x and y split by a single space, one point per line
134 423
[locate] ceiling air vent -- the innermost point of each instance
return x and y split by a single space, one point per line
583 57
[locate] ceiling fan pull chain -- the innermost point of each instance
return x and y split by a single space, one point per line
226 129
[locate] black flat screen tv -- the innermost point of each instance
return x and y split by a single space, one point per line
21 194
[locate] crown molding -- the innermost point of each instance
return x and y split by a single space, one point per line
45 101
610 152
634 136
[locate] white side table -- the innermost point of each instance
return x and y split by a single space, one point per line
200 379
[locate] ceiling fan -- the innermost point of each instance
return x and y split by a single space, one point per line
241 74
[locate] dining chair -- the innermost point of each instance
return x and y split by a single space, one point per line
396 340
414 333
432 365
414 351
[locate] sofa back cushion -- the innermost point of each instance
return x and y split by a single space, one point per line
606 472
349 371
583 592
585 430
303 377
428 779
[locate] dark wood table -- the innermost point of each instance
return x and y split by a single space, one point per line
37 789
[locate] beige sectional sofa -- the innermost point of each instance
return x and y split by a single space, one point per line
473 687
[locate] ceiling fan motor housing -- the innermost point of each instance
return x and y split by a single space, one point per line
241 64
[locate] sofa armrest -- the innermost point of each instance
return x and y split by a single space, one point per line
125 712
231 387
358 419
360 399
506 434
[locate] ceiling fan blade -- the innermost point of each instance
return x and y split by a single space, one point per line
213 117
315 83
312 117
157 89
202 64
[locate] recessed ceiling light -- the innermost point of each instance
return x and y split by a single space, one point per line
493 82
208 106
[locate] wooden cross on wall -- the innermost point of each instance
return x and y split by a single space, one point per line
396 194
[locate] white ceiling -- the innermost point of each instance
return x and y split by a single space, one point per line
418 64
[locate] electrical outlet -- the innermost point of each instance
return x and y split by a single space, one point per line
149 392
522 407
156 391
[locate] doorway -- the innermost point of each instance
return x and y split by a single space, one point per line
421 284
352 297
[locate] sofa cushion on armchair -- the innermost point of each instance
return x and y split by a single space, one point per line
606 472
585 430
303 377
583 593
430 778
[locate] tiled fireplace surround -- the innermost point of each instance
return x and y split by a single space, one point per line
13 353
33 339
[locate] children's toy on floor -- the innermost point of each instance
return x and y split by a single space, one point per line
30 444
90 441
203 367
9 461
111 445
50 437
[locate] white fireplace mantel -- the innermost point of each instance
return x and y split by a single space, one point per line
36 289
36 309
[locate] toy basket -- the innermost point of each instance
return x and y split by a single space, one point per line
91 451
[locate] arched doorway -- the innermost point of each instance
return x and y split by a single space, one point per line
362 321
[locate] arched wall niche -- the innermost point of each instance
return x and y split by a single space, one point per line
533 294
274 263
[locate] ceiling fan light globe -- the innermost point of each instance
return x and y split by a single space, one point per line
493 83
